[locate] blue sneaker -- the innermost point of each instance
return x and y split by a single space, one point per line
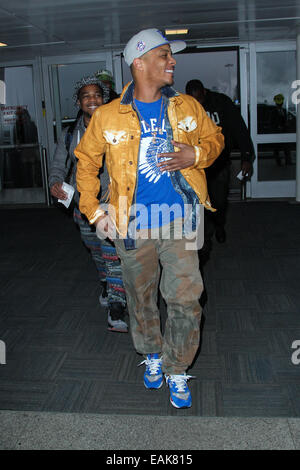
180 395
153 376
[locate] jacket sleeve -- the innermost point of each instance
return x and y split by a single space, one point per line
210 140
238 131
58 168
89 152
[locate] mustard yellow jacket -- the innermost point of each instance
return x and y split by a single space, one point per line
114 130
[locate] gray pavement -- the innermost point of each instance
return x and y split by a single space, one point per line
73 431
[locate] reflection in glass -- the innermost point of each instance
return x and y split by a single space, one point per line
276 112
276 161
20 165
21 168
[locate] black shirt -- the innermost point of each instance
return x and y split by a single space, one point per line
225 114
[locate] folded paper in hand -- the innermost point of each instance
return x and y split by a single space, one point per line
67 188
240 175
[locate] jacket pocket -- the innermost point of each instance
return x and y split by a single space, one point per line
188 124
115 137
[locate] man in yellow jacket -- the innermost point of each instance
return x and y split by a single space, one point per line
157 143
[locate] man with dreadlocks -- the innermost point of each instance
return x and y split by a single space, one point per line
89 94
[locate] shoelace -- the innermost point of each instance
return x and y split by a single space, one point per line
153 364
180 381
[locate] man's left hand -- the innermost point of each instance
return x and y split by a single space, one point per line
177 160
246 168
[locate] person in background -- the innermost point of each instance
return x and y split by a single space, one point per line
157 143
89 95
107 79
279 125
224 113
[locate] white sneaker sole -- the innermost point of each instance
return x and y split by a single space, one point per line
118 326
117 330
103 301
179 407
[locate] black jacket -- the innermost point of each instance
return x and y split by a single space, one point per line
224 113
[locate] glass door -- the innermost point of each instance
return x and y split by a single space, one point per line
60 76
21 177
273 123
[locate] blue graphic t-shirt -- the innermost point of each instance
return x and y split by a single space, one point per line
154 190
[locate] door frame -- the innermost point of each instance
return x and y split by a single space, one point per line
37 90
38 97
266 189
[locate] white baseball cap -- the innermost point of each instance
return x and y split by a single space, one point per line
145 41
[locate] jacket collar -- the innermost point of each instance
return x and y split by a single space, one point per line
127 96
80 124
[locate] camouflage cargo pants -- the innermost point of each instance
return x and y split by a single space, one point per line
181 286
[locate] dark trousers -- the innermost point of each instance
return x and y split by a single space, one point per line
218 186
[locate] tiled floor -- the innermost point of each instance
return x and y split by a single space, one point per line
61 358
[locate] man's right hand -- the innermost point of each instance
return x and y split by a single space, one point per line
57 191
105 228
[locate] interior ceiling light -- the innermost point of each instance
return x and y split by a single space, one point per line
176 31
2 44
